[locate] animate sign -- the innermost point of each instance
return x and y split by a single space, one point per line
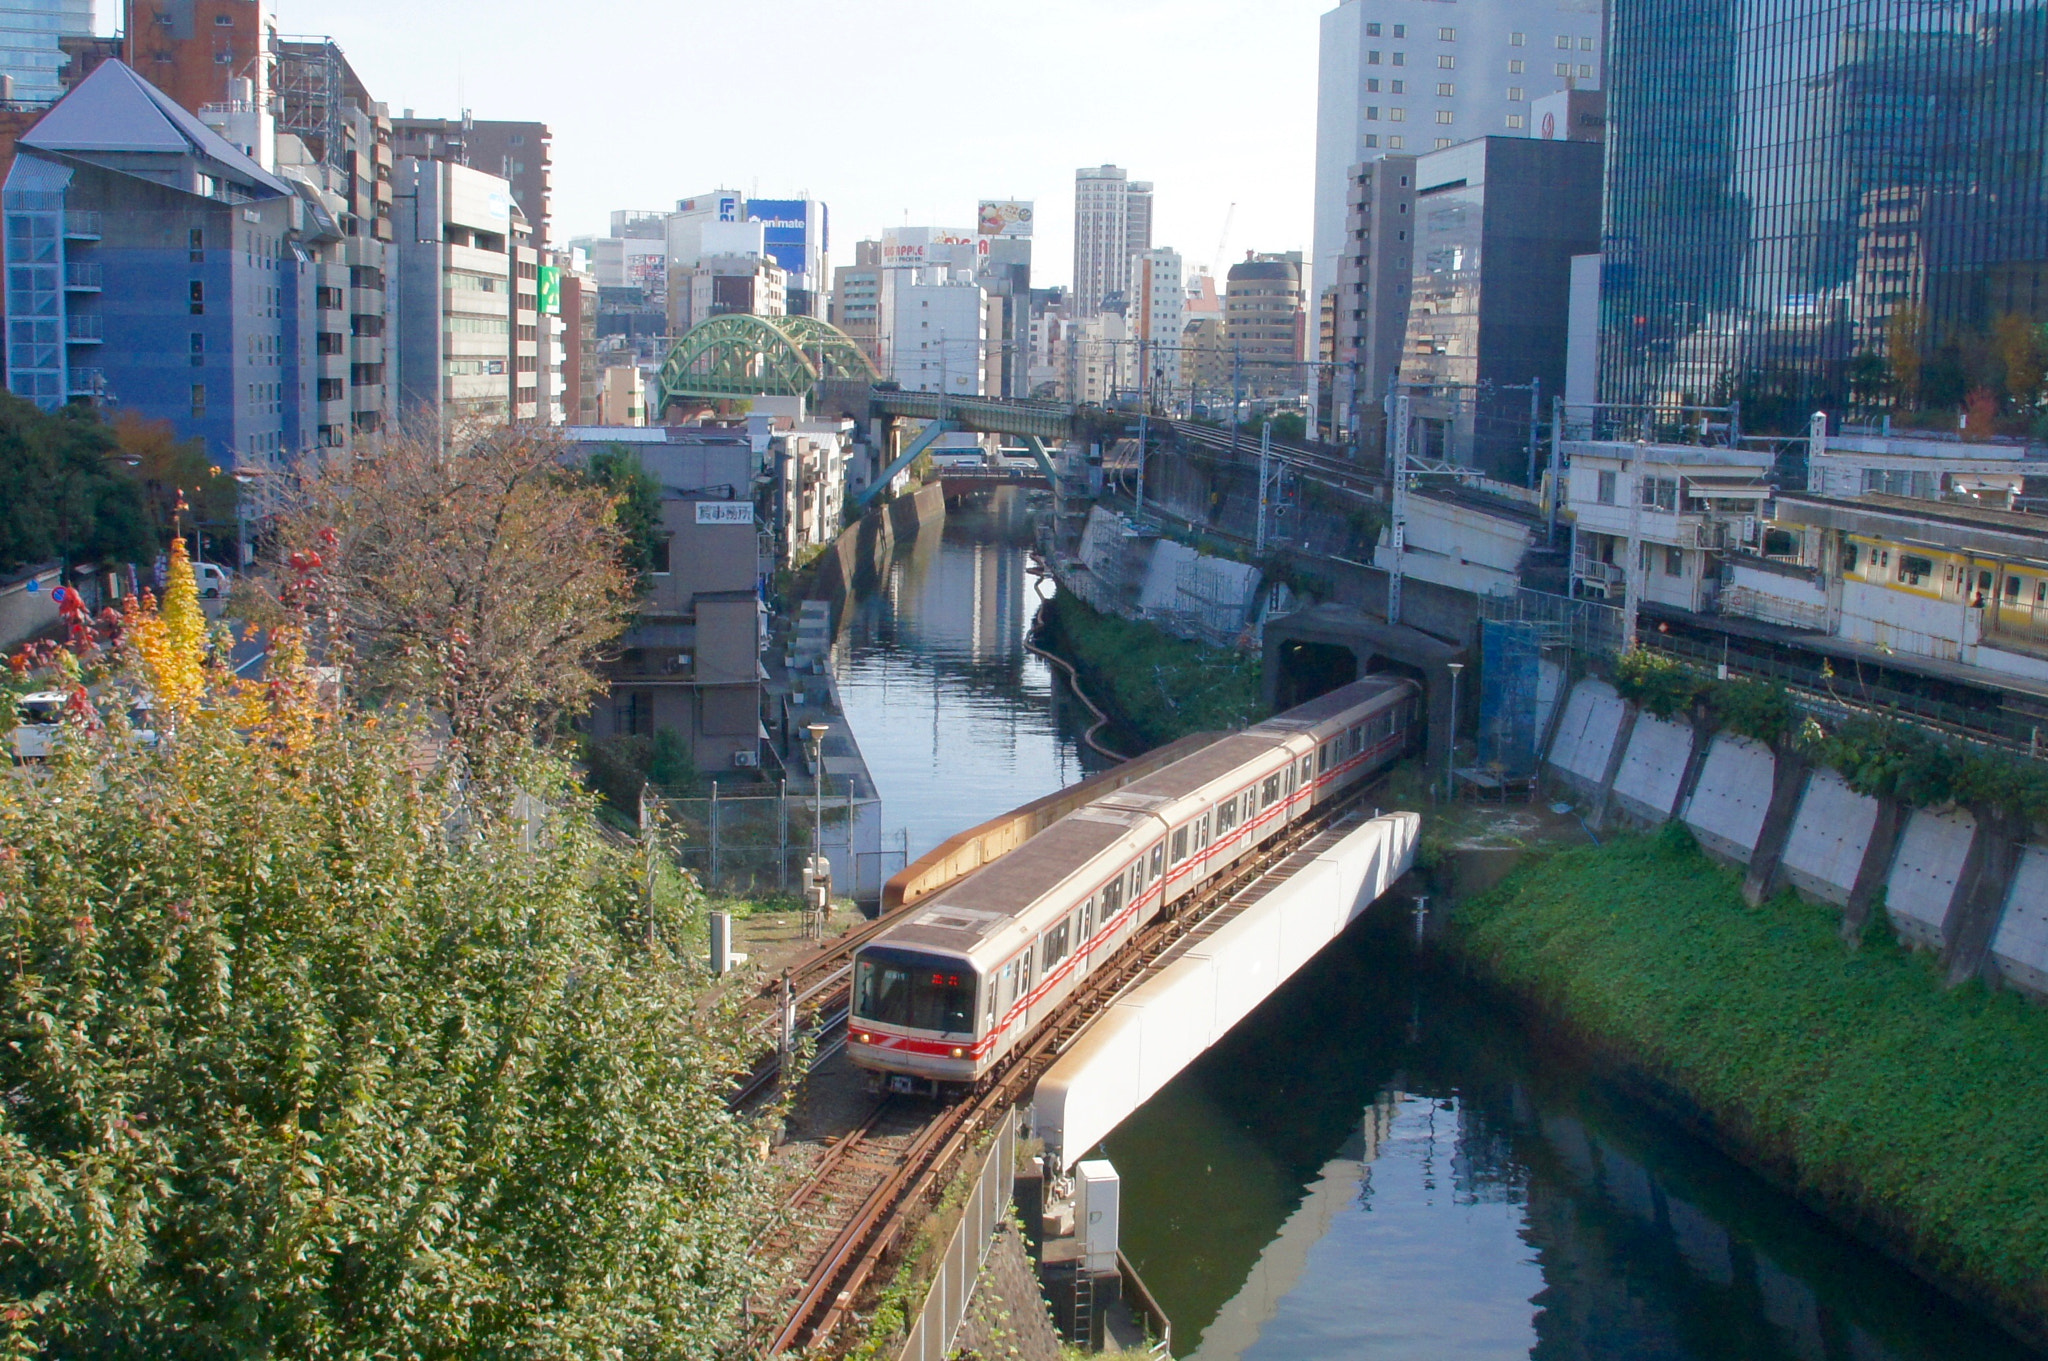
725 512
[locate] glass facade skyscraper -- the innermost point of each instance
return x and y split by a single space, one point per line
29 51
1822 204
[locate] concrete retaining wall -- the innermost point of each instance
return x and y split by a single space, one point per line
1727 810
1829 838
1921 892
1646 787
1585 735
863 547
2020 948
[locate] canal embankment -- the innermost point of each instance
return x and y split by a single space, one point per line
1905 1111
1155 687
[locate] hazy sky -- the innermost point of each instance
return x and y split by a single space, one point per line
891 111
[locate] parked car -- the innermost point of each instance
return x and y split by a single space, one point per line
40 717
213 581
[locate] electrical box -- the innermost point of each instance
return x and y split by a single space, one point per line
1097 1195
746 760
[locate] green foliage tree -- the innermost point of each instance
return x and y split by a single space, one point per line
63 493
637 495
314 1054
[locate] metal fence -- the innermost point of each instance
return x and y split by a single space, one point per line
756 844
938 1323
1509 692
1558 620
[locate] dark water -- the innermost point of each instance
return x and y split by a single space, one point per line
1381 1162
957 721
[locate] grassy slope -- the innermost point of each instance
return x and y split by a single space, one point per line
1160 687
1920 1111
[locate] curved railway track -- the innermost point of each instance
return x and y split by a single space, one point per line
837 1271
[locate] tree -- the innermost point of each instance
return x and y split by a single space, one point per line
168 467
619 471
2016 343
317 1054
62 494
1904 340
474 574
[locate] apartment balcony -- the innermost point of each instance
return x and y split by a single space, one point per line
86 329
83 277
1595 573
82 226
87 383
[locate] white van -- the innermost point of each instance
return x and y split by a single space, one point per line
213 581
40 718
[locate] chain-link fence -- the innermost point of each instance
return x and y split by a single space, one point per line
755 845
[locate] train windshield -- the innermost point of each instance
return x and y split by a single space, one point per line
920 991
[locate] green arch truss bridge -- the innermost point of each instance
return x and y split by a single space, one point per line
739 355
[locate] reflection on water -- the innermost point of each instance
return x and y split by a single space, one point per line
1382 1163
958 722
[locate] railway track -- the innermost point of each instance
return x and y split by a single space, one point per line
838 1271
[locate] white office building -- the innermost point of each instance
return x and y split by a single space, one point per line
937 331
1158 315
1112 222
1420 75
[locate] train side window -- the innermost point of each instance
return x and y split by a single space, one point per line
1226 815
1180 845
1158 859
1055 943
1088 919
1079 929
1271 793
1307 769
990 985
1201 831
1024 972
1112 897
1357 738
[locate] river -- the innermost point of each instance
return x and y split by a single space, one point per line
1382 1162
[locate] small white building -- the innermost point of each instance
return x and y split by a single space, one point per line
1157 315
935 331
1929 467
1667 512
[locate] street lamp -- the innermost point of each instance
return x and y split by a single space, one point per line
1451 746
818 881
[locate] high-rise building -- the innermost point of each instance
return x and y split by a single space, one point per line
1158 318
1374 274
1416 75
1497 222
1264 323
193 50
580 379
155 266
938 337
1112 222
467 318
1859 242
32 56
521 154
1003 269
797 234
857 297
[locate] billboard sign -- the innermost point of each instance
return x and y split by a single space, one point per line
723 207
1005 217
549 291
914 247
725 512
794 231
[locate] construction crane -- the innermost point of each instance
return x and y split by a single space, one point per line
1223 240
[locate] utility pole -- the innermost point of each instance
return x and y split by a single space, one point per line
1265 482
1556 464
1535 421
1398 535
1144 418
1632 572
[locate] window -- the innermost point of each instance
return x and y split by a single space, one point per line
1446 62
196 245
1915 570
1605 495
1397 115
1399 87
1660 493
1372 57
1585 44
1201 831
1395 144
1515 68
1180 845
1445 90
2012 588
224 21
1564 68
1372 139
1400 59
1564 42
1515 120
1446 116
1055 942
1517 40
198 351
1372 87
660 554
198 298
1514 94
1674 562
1447 35
1400 30
1372 113
198 401
915 990
1585 73
1372 30
1270 791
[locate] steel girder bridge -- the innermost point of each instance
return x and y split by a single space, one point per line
738 355
943 413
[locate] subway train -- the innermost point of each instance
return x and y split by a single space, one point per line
941 997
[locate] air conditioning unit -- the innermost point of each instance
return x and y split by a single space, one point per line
746 760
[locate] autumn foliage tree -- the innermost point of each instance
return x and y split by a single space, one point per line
316 1051
476 575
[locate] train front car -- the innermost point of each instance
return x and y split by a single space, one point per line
914 1015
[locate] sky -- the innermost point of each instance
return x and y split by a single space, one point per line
891 111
